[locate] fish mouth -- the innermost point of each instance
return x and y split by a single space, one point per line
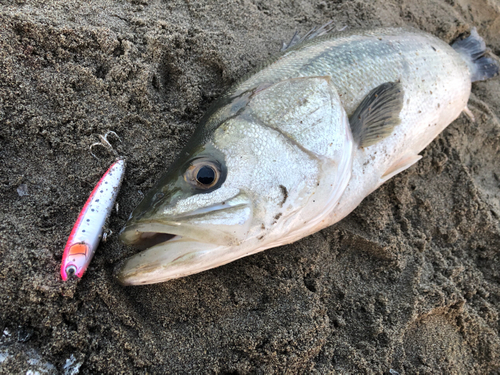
173 257
173 249
149 233
150 239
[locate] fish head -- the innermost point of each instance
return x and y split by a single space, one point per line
241 187
186 201
206 210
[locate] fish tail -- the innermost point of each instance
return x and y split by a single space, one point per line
473 50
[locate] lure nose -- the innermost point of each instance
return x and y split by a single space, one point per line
76 261
70 271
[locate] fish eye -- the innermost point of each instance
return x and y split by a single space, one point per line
206 175
202 173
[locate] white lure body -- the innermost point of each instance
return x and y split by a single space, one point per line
87 231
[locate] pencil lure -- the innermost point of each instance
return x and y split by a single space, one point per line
87 232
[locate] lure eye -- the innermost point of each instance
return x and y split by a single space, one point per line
203 173
71 271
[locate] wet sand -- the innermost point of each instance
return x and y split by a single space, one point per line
409 282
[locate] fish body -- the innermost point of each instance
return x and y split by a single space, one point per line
296 146
87 231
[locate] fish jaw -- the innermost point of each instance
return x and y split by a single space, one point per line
184 243
175 258
219 222
147 233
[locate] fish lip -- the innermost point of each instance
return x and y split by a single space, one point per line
165 261
165 227
150 239
133 271
137 235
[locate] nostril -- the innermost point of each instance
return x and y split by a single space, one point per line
158 196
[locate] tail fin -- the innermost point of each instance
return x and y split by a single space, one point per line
472 50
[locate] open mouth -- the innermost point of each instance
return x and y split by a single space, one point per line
146 234
166 256
150 239
178 246
169 250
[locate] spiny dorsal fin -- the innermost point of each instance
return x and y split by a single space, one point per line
378 114
313 33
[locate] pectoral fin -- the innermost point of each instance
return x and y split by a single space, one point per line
378 114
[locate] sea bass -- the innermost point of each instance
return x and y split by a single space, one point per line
296 146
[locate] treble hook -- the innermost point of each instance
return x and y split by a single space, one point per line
105 143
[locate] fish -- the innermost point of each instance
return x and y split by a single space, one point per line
87 231
297 145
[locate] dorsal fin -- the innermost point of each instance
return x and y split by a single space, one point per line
313 33
378 114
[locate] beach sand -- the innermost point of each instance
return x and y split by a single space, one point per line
408 283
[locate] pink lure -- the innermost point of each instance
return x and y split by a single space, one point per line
87 232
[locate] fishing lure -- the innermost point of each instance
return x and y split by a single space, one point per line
87 232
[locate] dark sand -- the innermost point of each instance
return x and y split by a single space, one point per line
409 282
